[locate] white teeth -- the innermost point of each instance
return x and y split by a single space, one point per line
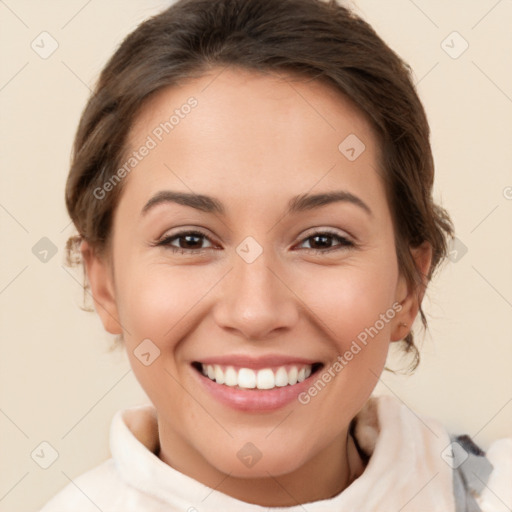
219 374
265 378
281 377
230 377
246 378
292 375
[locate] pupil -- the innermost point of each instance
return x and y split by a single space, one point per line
322 240
190 240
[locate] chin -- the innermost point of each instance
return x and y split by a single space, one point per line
251 462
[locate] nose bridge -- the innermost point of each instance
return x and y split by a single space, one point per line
254 281
255 301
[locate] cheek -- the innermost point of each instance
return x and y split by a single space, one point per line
148 304
354 307
350 299
157 301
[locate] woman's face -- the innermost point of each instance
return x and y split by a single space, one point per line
253 236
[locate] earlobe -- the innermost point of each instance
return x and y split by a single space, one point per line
102 288
410 299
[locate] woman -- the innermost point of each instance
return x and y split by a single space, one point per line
252 188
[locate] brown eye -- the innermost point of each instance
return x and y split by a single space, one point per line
326 241
186 241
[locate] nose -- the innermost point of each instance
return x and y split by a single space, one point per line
256 302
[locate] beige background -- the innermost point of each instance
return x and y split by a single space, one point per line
59 384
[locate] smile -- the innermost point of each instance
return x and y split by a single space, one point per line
255 384
263 378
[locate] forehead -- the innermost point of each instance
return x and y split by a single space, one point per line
263 134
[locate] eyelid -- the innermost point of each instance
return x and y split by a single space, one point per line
324 229
319 230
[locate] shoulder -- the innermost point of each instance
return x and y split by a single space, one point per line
97 489
477 480
116 484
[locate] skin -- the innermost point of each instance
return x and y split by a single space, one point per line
253 142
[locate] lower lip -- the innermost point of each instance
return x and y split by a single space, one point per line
254 400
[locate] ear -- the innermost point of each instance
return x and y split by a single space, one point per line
410 299
101 280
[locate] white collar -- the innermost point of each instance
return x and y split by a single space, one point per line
405 471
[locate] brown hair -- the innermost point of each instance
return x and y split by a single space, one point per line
313 38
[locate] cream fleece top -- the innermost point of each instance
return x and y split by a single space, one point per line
410 469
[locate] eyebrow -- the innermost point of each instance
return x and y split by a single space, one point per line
297 204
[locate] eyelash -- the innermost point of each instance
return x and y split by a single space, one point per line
344 243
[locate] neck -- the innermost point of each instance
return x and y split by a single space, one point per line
326 475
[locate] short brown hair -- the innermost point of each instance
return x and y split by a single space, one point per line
314 38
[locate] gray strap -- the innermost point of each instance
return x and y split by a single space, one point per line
471 471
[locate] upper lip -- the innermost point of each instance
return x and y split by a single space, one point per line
257 362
